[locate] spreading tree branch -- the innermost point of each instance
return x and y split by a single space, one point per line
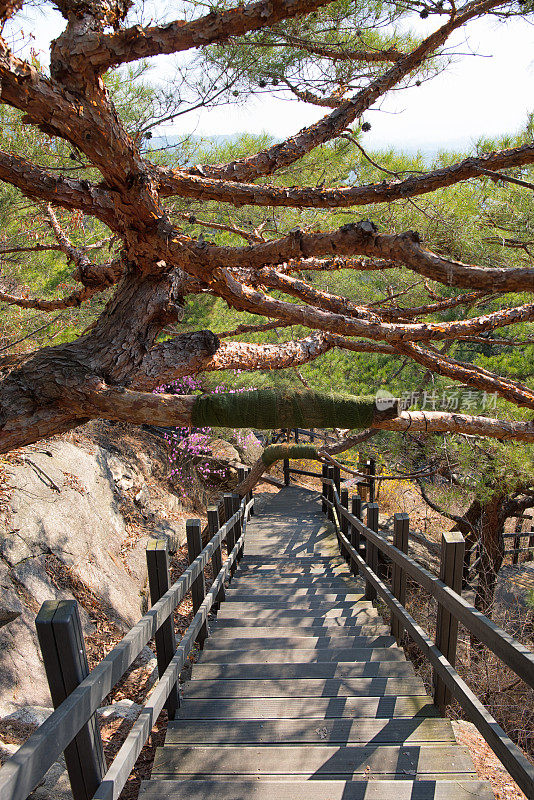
183 184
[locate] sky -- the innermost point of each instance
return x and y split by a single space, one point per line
487 94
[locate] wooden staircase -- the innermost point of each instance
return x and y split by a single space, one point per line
300 693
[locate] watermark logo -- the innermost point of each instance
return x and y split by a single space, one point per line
384 400
449 400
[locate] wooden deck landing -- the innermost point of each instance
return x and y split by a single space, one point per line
300 693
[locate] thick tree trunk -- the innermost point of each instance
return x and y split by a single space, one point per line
491 552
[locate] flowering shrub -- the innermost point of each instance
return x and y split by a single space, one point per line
191 452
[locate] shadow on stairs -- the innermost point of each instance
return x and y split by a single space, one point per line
300 693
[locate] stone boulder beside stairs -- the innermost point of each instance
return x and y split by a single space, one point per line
71 527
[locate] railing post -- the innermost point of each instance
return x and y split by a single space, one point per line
343 522
157 563
371 470
363 485
337 478
371 550
230 536
296 435
324 472
250 495
216 559
287 476
330 494
451 568
236 499
356 511
193 530
401 528
530 551
60 637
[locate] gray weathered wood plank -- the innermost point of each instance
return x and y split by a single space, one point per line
244 642
233 789
344 761
336 731
296 628
384 707
304 687
370 669
300 598
300 655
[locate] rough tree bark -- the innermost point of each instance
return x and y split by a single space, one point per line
113 367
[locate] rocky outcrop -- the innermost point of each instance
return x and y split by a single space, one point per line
76 520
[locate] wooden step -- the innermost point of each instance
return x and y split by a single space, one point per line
318 732
300 641
325 625
296 609
320 708
294 600
249 560
279 584
316 762
281 573
263 563
300 655
304 687
298 597
273 577
360 669
236 789
286 564
246 628
300 693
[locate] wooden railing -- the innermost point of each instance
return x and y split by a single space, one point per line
366 486
370 555
77 694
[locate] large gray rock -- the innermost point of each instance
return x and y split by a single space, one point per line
65 534
64 502
22 675
248 446
10 605
32 575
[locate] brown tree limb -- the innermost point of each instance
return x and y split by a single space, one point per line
73 300
469 374
89 123
355 239
334 264
37 183
387 312
182 183
444 422
75 254
136 407
244 297
286 153
334 100
8 8
168 360
101 52
250 236
351 441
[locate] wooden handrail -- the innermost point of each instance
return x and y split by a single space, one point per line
123 763
24 770
518 657
515 655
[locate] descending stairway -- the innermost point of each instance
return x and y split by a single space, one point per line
300 693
